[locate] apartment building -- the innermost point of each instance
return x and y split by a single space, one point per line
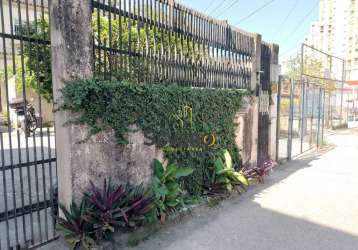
336 33
351 40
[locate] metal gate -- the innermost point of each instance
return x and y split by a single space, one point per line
316 98
301 117
264 104
27 147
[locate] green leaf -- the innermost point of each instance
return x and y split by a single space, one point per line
172 186
238 177
170 172
158 168
228 159
182 172
173 203
173 194
219 165
162 190
224 171
222 179
229 187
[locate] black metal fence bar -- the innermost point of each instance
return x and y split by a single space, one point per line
152 41
28 161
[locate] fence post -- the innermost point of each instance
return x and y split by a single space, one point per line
255 81
72 58
256 63
274 78
290 119
319 118
278 116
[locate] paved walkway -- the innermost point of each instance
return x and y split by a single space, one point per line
308 204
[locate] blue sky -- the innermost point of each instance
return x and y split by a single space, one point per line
284 22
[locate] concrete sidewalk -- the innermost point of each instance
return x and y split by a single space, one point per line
310 203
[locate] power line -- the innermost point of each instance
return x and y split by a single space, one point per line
301 22
289 50
227 8
286 18
216 8
255 11
208 7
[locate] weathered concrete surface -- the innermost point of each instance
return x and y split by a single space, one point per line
244 120
274 78
72 58
254 131
101 158
310 203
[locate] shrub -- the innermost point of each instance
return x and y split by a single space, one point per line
114 207
166 190
224 176
75 227
259 172
102 211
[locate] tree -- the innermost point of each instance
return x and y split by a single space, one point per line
313 71
37 59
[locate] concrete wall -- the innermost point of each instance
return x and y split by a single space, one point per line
246 132
102 158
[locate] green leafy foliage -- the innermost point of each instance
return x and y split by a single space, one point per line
166 189
224 176
37 59
192 125
77 231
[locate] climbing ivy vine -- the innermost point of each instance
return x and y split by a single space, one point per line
192 125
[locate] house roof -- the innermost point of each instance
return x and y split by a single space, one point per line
353 83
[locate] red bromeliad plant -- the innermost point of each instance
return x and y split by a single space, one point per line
77 231
260 171
115 207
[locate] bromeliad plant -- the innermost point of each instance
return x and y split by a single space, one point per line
115 207
75 227
224 176
260 171
101 212
166 190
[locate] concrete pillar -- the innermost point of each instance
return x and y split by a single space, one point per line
274 75
254 131
72 58
256 62
255 80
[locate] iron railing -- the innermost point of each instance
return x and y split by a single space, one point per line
27 158
151 41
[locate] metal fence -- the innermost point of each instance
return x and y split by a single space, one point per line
27 147
310 100
301 117
162 41
327 71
